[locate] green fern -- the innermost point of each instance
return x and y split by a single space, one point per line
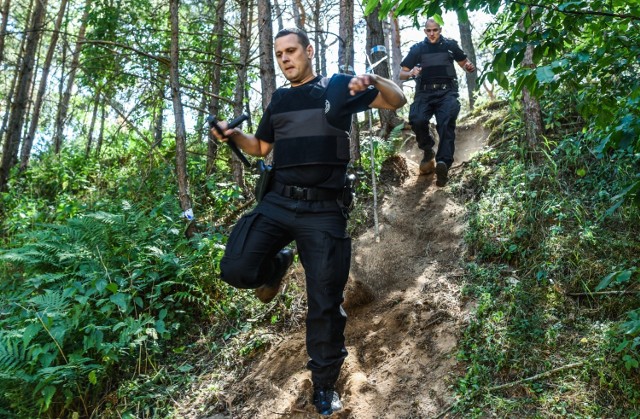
13 356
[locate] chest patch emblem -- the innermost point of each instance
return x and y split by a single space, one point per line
327 106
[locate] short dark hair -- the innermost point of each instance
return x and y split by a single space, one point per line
302 35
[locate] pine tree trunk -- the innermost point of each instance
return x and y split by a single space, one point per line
27 144
238 106
396 51
532 114
6 6
101 134
345 49
376 37
299 15
466 42
63 110
216 70
92 124
267 65
278 9
21 97
178 113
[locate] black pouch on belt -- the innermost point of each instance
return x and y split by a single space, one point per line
264 180
349 193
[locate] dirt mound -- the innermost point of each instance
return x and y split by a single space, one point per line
404 307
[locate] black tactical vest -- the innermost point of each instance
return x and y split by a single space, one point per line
305 137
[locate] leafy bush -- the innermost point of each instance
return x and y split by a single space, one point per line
90 301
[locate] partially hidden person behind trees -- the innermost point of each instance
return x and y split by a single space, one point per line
430 62
307 126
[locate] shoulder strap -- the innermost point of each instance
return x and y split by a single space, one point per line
319 88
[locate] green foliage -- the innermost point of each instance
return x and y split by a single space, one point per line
542 243
588 50
91 299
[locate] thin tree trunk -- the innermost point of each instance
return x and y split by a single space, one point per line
267 65
245 29
278 9
92 124
63 110
19 105
345 64
375 37
532 114
27 144
299 16
181 134
101 135
6 6
345 49
214 104
158 107
466 41
396 52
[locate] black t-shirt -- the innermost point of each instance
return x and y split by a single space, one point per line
436 59
338 105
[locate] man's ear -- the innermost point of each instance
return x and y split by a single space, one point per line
310 51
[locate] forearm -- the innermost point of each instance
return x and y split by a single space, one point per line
391 96
467 65
250 144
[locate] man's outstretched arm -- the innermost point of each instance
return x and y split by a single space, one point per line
390 96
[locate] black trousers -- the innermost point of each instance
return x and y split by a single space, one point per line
445 106
319 229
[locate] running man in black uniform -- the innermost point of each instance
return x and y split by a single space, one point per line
431 63
307 126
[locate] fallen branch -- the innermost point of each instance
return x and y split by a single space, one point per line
589 294
514 383
537 376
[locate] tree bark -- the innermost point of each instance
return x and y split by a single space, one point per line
532 114
216 71
466 41
238 100
27 144
63 110
299 15
376 37
267 65
92 124
345 65
101 134
278 9
21 98
178 113
6 6
396 52
345 49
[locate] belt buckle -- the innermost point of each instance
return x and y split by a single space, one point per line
297 192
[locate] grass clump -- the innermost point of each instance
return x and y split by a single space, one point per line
552 265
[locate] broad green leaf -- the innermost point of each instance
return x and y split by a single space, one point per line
120 300
545 74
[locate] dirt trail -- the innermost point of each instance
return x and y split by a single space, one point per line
404 308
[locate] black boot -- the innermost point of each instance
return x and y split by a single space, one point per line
442 173
268 291
326 400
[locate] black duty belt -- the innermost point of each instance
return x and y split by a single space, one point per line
305 194
436 86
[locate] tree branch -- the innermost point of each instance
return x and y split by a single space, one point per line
579 12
